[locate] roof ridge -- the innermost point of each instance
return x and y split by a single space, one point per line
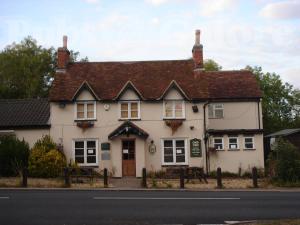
134 61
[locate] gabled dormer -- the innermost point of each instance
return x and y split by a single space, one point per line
129 102
85 103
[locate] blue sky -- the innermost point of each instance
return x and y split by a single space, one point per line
235 33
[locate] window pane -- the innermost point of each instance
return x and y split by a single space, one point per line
169 113
180 158
210 111
80 107
79 144
178 105
219 113
168 159
248 140
134 106
218 140
169 109
91 159
218 106
232 140
168 143
124 114
134 114
80 115
90 107
180 143
79 152
91 144
124 106
90 114
249 145
178 114
168 151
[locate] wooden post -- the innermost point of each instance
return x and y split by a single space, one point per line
105 178
254 177
24 176
181 178
67 177
144 181
219 178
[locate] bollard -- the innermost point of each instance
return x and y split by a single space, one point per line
219 178
24 176
67 177
144 181
254 177
105 177
181 178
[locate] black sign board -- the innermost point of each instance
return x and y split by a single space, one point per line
105 146
195 147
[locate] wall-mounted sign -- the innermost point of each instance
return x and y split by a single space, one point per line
195 147
105 146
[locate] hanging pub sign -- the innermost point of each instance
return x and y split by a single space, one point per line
195 147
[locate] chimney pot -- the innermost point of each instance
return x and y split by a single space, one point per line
197 37
65 41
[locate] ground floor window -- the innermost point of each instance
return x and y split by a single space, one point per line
174 151
233 143
249 142
218 143
86 152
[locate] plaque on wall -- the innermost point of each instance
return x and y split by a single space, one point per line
105 146
195 147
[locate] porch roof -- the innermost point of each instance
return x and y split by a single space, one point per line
127 128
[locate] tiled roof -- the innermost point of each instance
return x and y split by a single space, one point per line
151 79
23 113
285 132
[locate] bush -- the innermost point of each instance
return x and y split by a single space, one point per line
13 155
45 160
285 160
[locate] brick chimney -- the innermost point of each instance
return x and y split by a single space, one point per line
63 55
198 51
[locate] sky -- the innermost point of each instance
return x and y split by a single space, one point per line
234 33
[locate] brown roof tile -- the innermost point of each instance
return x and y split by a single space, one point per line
151 78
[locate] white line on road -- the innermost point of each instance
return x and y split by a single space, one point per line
159 198
4 197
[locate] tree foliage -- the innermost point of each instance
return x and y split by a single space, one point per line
13 155
280 101
27 69
211 65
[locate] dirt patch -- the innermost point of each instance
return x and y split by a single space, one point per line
228 183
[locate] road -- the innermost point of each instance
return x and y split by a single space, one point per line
68 207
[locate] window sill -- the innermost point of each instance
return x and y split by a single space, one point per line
249 149
175 165
234 149
133 119
220 150
173 118
88 166
213 118
85 120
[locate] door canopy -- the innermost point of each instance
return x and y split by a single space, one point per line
128 128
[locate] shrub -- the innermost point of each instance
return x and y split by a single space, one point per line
285 160
45 160
13 155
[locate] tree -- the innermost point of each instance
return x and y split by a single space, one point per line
27 69
279 101
211 65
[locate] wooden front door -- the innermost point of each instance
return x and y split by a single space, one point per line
128 157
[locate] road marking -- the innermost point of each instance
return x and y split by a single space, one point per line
4 197
159 198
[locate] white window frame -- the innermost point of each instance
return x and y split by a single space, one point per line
213 105
237 142
174 151
219 149
253 143
173 109
85 110
129 110
85 152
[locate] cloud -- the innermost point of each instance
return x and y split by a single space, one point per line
212 7
155 21
92 1
282 10
156 2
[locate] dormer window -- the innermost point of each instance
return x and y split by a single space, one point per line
174 109
129 110
85 110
